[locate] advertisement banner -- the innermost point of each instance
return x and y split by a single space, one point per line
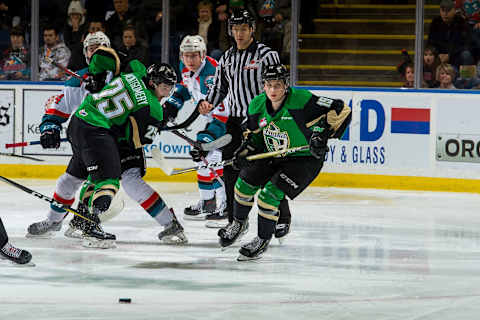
389 133
7 118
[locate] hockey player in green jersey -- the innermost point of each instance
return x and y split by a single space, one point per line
282 117
128 109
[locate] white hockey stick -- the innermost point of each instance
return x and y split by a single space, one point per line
166 166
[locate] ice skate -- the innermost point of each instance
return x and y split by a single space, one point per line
199 210
94 237
253 250
281 231
218 218
43 229
15 254
75 228
232 232
173 233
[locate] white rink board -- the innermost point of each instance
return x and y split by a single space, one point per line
371 147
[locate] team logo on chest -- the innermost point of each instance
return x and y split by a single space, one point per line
275 139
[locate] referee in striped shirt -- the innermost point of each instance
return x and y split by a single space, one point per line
238 79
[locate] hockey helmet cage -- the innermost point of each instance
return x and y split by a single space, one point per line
193 44
160 73
99 38
241 16
276 72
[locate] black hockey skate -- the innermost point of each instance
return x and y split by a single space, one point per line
75 228
173 233
232 232
281 231
95 237
253 250
15 254
201 209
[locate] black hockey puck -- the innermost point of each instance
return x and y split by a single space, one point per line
124 300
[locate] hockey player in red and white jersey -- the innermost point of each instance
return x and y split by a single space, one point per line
103 63
198 71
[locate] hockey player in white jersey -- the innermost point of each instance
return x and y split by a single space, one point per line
198 71
97 48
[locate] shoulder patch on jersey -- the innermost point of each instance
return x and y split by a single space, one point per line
209 81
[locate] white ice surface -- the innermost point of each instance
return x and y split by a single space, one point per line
352 254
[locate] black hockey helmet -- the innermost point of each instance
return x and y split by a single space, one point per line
240 16
161 73
276 72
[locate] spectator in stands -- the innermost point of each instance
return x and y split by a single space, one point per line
130 49
467 77
15 63
450 35
446 76
56 50
77 59
430 64
221 10
76 27
274 20
470 11
124 16
408 76
208 27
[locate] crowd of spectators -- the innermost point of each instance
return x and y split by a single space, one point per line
451 58
134 28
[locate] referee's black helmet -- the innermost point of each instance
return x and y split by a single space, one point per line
240 16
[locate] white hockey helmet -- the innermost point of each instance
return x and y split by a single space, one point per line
193 44
99 38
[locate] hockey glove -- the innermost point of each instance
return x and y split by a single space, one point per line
318 142
197 154
94 83
240 156
170 111
50 136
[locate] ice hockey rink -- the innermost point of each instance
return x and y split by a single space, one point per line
351 254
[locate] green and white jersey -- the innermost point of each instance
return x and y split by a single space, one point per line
123 96
292 125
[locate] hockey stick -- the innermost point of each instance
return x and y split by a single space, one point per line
191 118
19 156
43 197
229 162
64 69
27 143
215 144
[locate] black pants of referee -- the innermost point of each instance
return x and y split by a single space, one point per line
231 175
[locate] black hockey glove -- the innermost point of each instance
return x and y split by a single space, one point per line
94 83
170 111
50 135
318 142
197 154
240 156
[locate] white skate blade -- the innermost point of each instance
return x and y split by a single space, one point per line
241 257
46 235
175 240
73 233
91 242
198 217
216 224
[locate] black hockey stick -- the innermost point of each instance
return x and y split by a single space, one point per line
192 117
43 197
20 156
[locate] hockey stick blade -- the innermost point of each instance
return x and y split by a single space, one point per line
162 162
218 143
43 197
20 156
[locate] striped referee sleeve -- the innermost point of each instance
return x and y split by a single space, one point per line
219 90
